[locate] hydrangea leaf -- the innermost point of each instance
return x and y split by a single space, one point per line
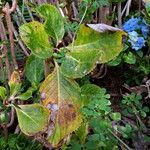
82 132
32 118
34 69
35 37
26 95
14 83
2 92
54 24
63 92
89 47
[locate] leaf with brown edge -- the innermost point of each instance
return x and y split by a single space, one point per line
65 93
14 83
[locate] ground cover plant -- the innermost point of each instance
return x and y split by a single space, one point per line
74 74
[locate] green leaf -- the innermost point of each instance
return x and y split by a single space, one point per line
34 69
146 109
148 7
36 39
142 113
54 24
64 93
82 132
115 62
4 119
2 92
26 95
115 116
89 47
95 101
32 118
129 58
89 92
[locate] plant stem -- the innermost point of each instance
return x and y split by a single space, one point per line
20 42
119 139
5 130
7 11
79 26
5 50
119 15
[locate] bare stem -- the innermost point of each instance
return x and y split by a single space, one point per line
5 50
128 7
119 15
25 51
12 116
127 147
7 11
5 130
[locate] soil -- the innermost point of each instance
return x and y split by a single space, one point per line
113 81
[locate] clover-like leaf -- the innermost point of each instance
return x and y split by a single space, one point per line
32 118
116 116
54 24
36 39
89 47
64 93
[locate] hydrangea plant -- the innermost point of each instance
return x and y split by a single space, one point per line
137 30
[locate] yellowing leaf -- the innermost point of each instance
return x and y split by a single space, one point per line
14 83
32 118
15 78
65 93
35 37
89 47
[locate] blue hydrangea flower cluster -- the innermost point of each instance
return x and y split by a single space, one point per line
138 31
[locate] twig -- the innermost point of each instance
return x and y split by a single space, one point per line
101 72
42 140
29 11
17 130
5 50
119 139
75 12
13 8
12 114
20 14
119 15
5 130
20 42
140 4
7 11
124 9
60 10
79 26
148 87
128 7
